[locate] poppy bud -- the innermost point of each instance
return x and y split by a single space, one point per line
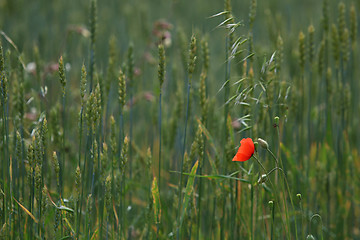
310 237
263 143
262 179
276 119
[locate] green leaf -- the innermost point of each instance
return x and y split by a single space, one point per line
188 191
216 177
156 200
65 208
26 211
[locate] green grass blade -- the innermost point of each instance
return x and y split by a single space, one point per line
188 191
156 201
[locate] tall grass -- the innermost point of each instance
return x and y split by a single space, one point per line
138 144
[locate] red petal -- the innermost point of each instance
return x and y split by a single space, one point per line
239 157
246 150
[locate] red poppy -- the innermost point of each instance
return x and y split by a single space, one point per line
246 150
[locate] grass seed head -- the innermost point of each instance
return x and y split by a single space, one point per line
335 44
77 183
192 56
252 12
205 55
353 26
62 77
321 57
161 68
122 89
311 31
279 53
83 85
302 51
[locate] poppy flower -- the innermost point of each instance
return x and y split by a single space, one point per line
246 150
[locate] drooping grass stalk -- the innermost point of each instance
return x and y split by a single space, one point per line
191 68
161 77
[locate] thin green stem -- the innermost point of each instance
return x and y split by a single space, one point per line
183 155
288 190
159 141
277 195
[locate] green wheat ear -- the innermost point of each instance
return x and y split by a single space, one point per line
62 77
335 44
325 18
161 67
93 26
111 72
321 57
205 55
229 19
311 31
124 158
192 56
121 89
2 61
104 162
83 85
56 167
353 26
18 93
279 53
203 100
113 143
252 13
329 87
341 21
77 184
130 65
302 51
345 46
108 203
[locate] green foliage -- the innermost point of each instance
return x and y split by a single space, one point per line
78 159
